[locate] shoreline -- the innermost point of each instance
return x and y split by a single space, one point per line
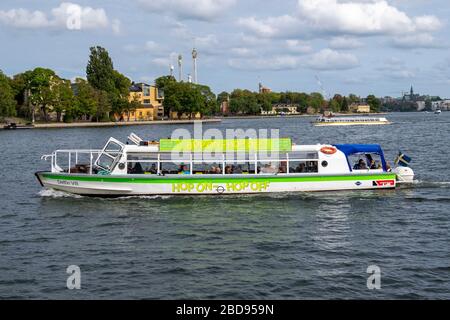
117 124
219 119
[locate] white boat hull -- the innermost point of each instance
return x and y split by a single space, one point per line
137 185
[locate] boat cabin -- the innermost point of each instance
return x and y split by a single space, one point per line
222 157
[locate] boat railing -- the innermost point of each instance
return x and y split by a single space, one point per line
72 158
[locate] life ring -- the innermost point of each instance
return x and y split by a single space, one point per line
328 150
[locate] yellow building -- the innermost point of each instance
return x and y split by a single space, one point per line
360 108
150 99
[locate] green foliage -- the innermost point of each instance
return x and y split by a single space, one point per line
345 107
7 102
374 103
100 70
187 98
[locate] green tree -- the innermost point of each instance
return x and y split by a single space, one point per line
103 106
163 82
316 101
7 102
352 98
64 100
222 97
345 106
374 103
85 100
100 70
42 94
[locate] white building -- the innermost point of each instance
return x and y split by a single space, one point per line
443 105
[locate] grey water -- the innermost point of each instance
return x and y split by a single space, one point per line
293 246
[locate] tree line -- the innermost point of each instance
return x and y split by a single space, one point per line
35 94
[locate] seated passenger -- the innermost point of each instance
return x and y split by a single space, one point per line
137 169
184 170
361 165
269 168
283 167
301 168
228 170
373 165
153 169
238 170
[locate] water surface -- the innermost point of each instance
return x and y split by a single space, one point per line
292 246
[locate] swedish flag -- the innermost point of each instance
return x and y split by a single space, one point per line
403 160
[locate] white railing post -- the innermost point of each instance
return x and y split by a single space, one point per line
90 165
70 161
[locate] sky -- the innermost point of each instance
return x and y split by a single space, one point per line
379 47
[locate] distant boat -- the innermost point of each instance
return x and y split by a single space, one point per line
15 126
438 112
350 121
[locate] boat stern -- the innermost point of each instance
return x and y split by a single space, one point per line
404 174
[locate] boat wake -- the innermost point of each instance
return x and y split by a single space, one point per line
432 184
50 193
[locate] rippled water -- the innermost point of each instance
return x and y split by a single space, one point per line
292 246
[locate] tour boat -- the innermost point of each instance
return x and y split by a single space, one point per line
350 121
216 167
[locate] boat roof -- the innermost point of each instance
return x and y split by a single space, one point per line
350 149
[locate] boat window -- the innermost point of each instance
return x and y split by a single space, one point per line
303 156
106 162
366 161
142 164
239 167
207 168
272 167
303 167
113 147
176 168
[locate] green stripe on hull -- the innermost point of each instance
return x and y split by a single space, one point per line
194 179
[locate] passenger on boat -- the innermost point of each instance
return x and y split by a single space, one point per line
361 165
237 170
269 168
184 170
300 168
228 170
153 169
215 170
137 169
283 167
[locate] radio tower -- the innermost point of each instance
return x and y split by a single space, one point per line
180 67
194 57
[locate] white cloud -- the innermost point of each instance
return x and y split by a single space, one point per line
67 16
328 59
353 17
345 43
333 17
298 46
421 40
189 9
273 26
274 63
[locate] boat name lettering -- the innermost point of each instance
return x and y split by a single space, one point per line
67 183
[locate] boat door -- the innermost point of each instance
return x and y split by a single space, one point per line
110 155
